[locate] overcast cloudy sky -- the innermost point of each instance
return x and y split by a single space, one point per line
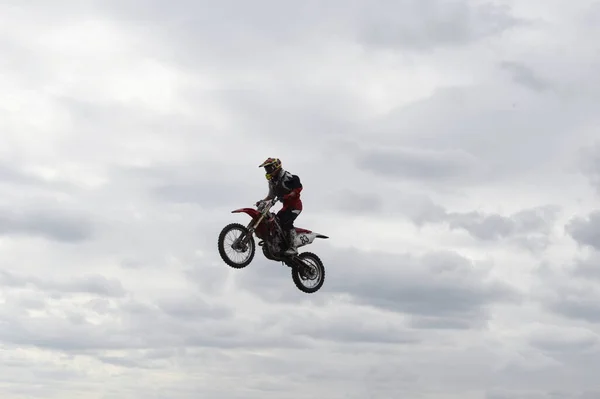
449 149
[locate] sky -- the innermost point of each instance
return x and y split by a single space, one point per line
450 151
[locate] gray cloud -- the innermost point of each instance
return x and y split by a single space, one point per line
508 394
436 290
493 153
206 194
580 306
589 157
529 228
421 286
525 76
53 224
504 394
420 209
307 118
565 346
197 183
418 164
11 174
586 231
192 307
269 24
442 323
587 162
208 327
349 201
94 284
536 221
438 24
588 267
347 328
570 290
151 119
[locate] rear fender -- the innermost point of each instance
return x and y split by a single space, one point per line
305 237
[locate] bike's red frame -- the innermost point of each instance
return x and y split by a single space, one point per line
262 229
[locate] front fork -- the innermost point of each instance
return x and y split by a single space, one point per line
242 241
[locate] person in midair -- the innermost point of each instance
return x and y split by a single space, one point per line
287 187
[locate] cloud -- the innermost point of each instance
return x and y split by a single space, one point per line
46 223
585 230
417 164
494 226
583 307
420 140
94 284
435 290
566 344
570 290
191 307
437 286
525 76
446 149
271 23
440 24
12 174
587 268
530 228
348 201
589 163
505 394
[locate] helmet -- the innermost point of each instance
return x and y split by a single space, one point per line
272 167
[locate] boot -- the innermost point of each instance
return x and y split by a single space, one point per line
291 235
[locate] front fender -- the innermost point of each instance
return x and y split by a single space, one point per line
253 213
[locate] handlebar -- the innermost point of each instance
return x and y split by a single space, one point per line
268 204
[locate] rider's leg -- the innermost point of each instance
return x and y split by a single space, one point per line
286 219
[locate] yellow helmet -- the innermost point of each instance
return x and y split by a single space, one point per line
272 167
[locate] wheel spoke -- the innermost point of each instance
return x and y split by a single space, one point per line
310 275
233 253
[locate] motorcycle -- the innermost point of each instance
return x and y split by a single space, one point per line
305 266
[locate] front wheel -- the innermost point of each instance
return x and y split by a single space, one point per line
242 245
311 270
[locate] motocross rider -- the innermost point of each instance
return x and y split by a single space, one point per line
286 187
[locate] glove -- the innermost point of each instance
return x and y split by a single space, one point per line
261 202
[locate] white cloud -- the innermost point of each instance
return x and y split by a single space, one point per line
449 151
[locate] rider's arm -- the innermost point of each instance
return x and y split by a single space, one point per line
295 185
271 193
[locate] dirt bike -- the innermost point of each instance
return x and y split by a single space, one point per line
305 266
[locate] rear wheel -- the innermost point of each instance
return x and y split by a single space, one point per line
310 275
238 251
